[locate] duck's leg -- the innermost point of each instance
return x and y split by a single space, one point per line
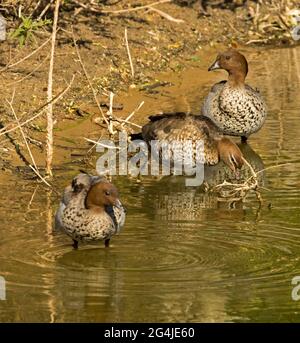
75 244
106 243
244 139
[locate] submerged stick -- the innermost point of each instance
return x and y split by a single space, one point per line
236 191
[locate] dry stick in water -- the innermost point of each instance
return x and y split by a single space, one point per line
90 84
49 139
39 111
239 191
132 114
128 53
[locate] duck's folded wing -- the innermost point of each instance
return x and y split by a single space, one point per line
211 97
160 125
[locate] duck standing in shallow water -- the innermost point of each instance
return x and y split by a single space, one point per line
92 210
80 182
181 127
236 108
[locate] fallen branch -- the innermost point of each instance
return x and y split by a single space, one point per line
128 53
104 145
45 10
110 113
238 191
49 137
166 15
132 114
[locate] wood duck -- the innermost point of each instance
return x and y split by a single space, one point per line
182 127
90 210
235 107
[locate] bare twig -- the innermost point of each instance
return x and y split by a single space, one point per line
110 113
238 191
45 9
26 57
133 9
127 122
166 15
32 197
49 138
132 114
34 70
21 129
128 53
38 112
86 7
34 168
35 7
89 82
99 143
40 176
257 41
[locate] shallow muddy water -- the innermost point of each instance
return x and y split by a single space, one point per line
183 255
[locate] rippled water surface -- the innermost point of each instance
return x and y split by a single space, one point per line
183 255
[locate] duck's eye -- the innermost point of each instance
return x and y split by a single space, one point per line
107 192
227 57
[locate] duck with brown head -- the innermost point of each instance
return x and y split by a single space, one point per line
235 107
94 213
182 127
80 182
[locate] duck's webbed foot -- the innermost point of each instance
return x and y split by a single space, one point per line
75 244
106 243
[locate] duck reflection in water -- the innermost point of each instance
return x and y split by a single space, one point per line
173 201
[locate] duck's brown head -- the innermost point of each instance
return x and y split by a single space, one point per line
102 194
230 154
234 63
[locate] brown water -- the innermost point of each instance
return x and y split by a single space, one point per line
183 255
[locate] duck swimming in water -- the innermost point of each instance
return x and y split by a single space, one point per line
182 127
90 210
235 107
